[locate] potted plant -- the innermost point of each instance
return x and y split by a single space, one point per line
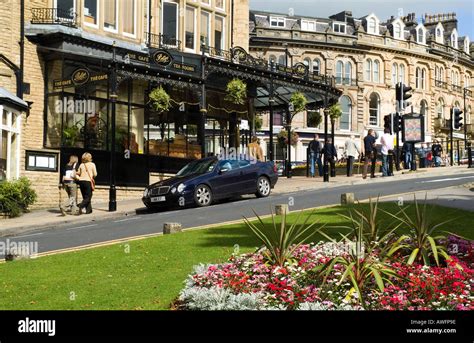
236 91
160 100
299 101
283 138
70 135
314 118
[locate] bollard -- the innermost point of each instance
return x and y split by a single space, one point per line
170 228
347 198
281 208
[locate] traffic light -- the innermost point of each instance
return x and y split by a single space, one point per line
387 122
397 123
457 118
402 95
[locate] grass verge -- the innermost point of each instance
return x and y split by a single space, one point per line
148 274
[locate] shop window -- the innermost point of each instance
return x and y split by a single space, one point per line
111 15
129 18
190 28
91 12
205 29
219 33
10 128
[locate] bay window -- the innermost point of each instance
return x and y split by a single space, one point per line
129 17
190 28
91 12
110 15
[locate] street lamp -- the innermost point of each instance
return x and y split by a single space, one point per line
113 100
467 145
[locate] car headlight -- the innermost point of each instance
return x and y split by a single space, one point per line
145 193
173 190
181 187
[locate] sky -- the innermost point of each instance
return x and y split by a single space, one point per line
384 9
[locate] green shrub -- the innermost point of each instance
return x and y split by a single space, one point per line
16 196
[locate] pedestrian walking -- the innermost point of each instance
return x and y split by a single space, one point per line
70 185
255 150
86 173
387 150
407 155
330 153
315 156
370 154
437 151
352 152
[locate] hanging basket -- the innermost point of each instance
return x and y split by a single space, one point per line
299 101
160 100
283 138
236 92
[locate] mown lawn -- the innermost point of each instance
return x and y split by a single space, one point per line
149 273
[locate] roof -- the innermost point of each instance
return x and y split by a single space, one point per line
12 100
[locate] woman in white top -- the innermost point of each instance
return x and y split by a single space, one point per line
86 178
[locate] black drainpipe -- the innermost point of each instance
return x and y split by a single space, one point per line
19 88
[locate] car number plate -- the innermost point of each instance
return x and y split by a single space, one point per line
158 199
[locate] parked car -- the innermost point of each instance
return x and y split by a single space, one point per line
203 181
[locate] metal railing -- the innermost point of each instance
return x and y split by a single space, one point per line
345 81
161 41
441 84
457 88
53 16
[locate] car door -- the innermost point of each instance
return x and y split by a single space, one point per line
249 175
226 181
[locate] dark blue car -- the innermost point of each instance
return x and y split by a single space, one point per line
203 181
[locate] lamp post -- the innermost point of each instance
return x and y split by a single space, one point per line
113 100
326 166
467 145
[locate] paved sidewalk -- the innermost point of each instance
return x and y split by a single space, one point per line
52 218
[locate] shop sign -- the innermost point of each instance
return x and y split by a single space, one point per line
133 56
300 70
162 58
80 77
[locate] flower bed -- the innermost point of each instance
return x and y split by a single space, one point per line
249 282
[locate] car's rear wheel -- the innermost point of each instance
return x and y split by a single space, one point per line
263 187
202 196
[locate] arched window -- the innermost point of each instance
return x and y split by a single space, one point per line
376 71
339 72
437 73
423 78
394 73
417 77
441 74
397 31
372 26
307 62
467 80
368 70
440 108
374 109
402 73
347 73
346 108
421 36
424 112
454 40
281 60
316 66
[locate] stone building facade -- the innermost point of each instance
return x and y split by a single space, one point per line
368 56
192 23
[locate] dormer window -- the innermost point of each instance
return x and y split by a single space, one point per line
454 39
339 27
277 22
372 25
308 25
466 45
439 33
420 34
397 31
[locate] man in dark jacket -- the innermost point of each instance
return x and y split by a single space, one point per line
315 155
370 154
330 153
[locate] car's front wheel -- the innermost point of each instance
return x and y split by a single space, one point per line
263 187
202 195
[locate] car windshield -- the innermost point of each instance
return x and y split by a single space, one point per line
197 167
